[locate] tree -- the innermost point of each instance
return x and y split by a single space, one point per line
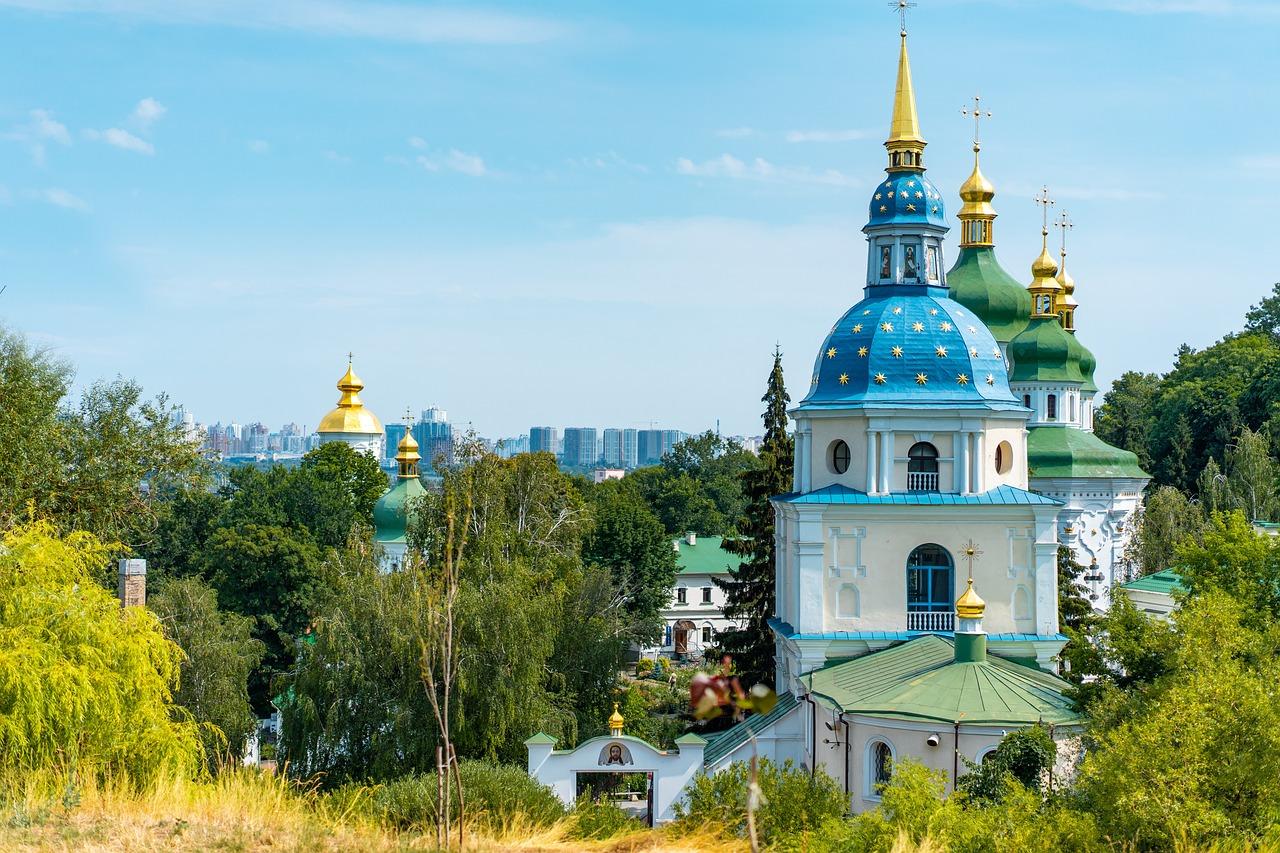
1025 757
84 685
1166 518
749 592
359 475
1265 316
219 652
628 539
1126 415
271 574
184 524
1251 475
1231 556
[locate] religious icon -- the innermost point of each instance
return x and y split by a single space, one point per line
931 262
909 268
615 754
886 261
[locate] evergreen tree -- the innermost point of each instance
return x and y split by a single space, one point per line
750 590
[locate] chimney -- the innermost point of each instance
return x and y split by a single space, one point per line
133 583
692 538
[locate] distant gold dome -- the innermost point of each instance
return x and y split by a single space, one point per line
977 190
1044 266
615 720
350 416
970 606
1067 283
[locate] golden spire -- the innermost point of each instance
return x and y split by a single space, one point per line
905 144
350 416
615 722
407 457
1044 287
977 214
1067 303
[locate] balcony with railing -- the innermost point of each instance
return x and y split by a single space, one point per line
922 481
922 620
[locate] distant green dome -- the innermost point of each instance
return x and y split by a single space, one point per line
1045 352
1063 451
1088 364
390 513
979 283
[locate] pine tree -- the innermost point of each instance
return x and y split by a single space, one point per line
750 590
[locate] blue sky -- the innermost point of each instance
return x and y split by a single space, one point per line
586 213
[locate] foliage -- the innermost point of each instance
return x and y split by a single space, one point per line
749 592
794 800
83 463
1231 556
1125 417
1264 317
601 820
219 652
697 488
644 667
629 540
1025 757
1166 518
648 714
495 795
85 687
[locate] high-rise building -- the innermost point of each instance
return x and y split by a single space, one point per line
653 444
394 432
542 439
434 435
619 448
579 447
630 449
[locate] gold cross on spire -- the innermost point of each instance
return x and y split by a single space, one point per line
902 6
970 551
351 357
1044 200
1064 222
978 115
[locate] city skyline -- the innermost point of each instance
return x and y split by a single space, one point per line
219 196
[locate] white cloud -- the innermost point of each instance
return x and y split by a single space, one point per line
826 135
122 139
60 198
467 164
259 146
760 169
417 142
736 132
384 21
148 112
451 161
41 129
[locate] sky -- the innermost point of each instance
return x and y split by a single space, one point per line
594 213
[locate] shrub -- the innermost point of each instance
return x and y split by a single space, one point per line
660 669
795 801
495 794
644 667
600 820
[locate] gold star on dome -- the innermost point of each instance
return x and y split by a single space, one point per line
831 353
972 330
891 194
933 312
946 327
911 183
919 194
941 351
911 207
896 352
973 351
935 208
922 379
857 327
995 351
865 313
917 326
991 380
883 208
888 183
886 326
879 196
897 310
961 379
862 352
844 379
881 378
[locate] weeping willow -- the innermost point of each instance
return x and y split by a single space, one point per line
85 687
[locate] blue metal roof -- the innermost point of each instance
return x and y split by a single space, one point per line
837 494
909 345
786 630
906 197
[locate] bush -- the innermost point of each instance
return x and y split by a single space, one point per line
495 794
600 820
795 801
660 669
644 667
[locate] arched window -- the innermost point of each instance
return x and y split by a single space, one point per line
847 602
930 589
839 459
922 468
1004 457
1026 400
1051 407
879 766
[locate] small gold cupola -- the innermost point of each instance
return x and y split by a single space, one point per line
977 216
350 416
1044 285
615 721
1067 303
905 143
407 456
970 605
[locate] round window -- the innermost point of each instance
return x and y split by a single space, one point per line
839 460
1004 458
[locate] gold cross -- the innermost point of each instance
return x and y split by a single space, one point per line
1064 222
350 357
970 551
1043 199
978 115
902 6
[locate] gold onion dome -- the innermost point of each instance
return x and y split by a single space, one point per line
350 416
969 605
977 192
615 720
407 456
1044 269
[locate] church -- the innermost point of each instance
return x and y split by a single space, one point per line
944 452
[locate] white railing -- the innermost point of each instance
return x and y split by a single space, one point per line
931 621
922 481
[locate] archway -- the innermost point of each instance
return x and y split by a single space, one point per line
930 589
685 633
922 467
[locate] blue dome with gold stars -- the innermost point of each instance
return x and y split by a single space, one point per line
907 198
904 346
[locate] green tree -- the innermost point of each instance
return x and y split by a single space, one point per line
271 574
1127 413
1167 517
219 654
359 475
84 685
1025 757
1231 556
749 592
629 540
184 525
1251 475
1265 316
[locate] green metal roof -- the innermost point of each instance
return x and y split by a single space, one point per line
979 283
390 512
1062 451
921 680
1044 352
721 744
1166 582
708 557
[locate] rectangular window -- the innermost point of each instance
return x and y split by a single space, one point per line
931 262
1051 407
886 262
910 264
682 595
706 634
666 636
706 595
1026 400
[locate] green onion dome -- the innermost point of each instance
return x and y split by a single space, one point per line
979 283
1045 352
